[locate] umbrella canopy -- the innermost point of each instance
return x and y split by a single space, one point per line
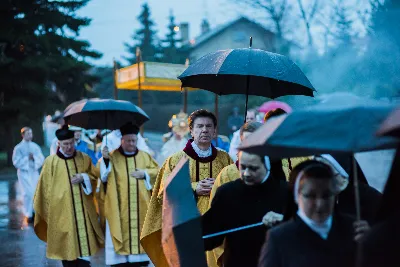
391 126
103 114
247 71
181 221
322 129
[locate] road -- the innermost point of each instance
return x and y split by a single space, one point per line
19 245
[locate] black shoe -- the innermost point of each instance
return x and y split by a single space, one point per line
31 219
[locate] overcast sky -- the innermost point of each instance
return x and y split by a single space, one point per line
114 21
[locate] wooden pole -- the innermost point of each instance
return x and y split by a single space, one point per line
115 69
185 92
138 60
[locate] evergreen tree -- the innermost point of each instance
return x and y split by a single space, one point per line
145 38
171 44
39 47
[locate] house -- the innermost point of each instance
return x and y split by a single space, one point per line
234 34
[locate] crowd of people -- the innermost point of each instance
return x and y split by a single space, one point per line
84 199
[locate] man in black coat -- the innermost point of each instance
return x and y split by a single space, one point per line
243 202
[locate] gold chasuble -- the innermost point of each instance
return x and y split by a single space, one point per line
127 198
66 217
200 168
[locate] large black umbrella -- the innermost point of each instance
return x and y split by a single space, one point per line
323 129
247 71
103 114
181 221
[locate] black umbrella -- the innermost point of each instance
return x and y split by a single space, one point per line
323 129
247 71
103 114
181 221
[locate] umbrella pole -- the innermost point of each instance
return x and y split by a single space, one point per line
247 97
185 100
357 202
247 85
356 188
216 115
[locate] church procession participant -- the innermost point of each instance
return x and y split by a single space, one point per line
317 235
28 159
256 197
236 138
231 172
66 217
176 139
205 163
82 145
127 175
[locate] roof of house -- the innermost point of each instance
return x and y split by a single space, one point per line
213 32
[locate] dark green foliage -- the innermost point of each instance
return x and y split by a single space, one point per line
42 63
144 38
172 44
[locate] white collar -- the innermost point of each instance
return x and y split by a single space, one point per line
322 229
66 155
201 153
129 153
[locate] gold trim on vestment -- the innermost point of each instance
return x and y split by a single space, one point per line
79 213
133 207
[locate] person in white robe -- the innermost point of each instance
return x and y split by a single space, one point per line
28 159
113 141
177 142
235 142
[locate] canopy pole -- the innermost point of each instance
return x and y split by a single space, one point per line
138 60
216 115
115 79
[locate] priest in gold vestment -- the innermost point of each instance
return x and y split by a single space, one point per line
66 217
205 163
127 176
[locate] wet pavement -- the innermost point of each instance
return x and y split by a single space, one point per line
19 245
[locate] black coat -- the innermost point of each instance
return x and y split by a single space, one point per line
380 246
236 204
294 244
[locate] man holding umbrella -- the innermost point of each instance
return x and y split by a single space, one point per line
66 217
205 163
128 175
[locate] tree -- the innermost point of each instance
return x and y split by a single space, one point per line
308 17
39 48
344 25
171 44
145 38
